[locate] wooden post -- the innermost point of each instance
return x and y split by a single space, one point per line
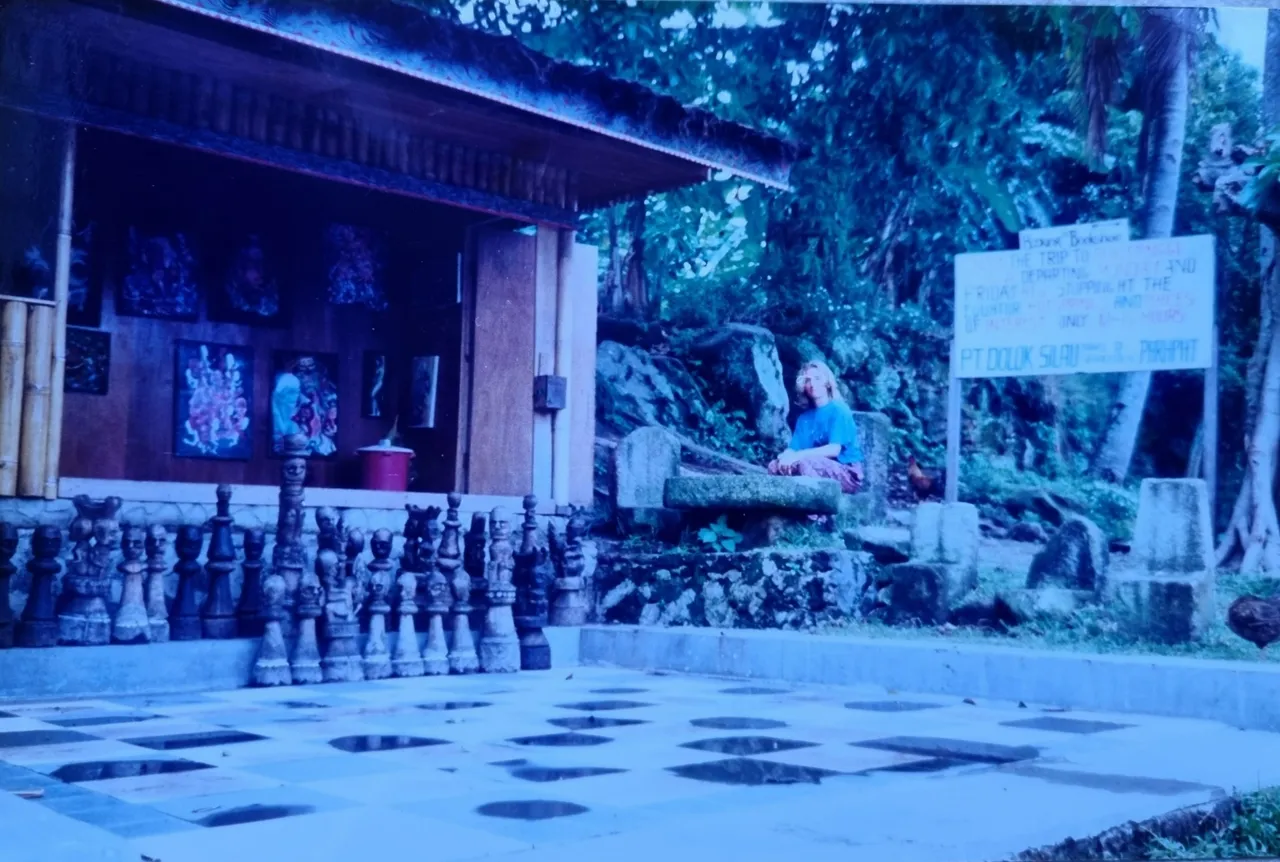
1210 438
61 291
561 451
952 491
13 357
33 453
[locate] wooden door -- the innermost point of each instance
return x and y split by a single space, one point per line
499 457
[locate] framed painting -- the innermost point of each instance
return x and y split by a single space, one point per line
213 401
424 376
374 385
88 357
249 291
356 262
160 277
304 400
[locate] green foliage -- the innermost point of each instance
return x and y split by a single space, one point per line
719 537
932 130
1252 832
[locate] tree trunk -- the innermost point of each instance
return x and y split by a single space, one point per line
1167 110
612 301
635 284
1253 529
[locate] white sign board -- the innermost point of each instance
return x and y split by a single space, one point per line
1120 306
1074 235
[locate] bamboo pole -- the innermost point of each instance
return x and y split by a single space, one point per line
61 293
33 450
13 356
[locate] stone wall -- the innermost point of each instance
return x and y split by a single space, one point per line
782 588
26 515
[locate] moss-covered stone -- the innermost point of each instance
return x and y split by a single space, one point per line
754 493
771 588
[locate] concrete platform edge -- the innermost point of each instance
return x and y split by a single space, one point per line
1237 693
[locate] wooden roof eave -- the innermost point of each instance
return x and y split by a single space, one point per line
709 153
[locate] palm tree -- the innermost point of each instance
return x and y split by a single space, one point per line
1168 37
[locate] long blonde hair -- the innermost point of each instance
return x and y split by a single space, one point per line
822 375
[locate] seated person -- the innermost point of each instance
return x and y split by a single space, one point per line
825 442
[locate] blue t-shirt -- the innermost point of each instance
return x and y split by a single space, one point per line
822 426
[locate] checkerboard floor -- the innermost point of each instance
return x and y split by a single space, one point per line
571 765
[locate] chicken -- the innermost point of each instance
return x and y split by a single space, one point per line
925 485
1256 620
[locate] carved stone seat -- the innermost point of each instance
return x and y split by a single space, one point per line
767 509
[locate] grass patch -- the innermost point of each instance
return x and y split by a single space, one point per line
1090 630
1252 832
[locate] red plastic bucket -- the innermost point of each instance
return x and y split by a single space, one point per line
385 467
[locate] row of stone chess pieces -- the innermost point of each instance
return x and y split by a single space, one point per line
494 605
204 606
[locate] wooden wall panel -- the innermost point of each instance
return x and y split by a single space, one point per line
582 380
129 433
545 352
501 451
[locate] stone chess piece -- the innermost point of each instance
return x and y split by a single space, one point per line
272 665
328 530
474 561
500 646
157 569
422 536
219 611
8 548
250 621
185 625
407 660
132 625
341 662
39 624
462 657
531 578
83 620
288 557
357 575
567 605
305 663
377 659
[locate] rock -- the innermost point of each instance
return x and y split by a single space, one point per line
635 389
644 460
947 533
1028 531
1076 557
743 362
927 592
1167 592
887 545
1047 603
772 588
1039 503
754 493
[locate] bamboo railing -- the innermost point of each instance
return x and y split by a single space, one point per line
33 367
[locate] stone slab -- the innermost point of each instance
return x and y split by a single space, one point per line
875 435
754 494
946 533
1241 694
1165 608
1173 532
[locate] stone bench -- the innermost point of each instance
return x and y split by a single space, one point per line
763 508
